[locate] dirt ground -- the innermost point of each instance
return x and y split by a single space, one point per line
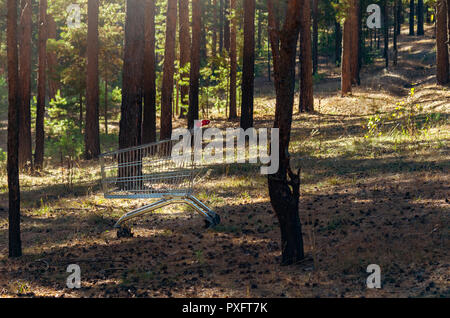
381 200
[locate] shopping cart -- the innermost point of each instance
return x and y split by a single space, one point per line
149 172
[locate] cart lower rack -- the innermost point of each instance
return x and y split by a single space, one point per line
148 172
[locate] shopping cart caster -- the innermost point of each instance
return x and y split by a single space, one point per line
124 231
212 222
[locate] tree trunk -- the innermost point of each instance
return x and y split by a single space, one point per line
92 133
420 17
214 30
248 67
396 27
149 121
315 35
221 19
337 42
354 65
226 26
233 61
194 80
40 106
25 152
306 103
442 64
15 244
132 76
106 105
284 185
386 32
52 60
411 17
168 71
346 76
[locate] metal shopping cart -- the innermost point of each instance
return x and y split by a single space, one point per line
149 172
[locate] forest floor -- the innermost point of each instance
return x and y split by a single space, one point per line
364 200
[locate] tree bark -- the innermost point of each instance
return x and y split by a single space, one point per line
346 76
386 32
15 244
248 67
442 64
52 60
25 152
411 17
168 70
306 103
226 26
420 17
233 61
40 106
149 120
284 185
92 131
354 54
315 35
194 80
214 29
185 50
132 76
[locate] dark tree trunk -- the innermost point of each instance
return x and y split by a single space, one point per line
149 120
346 76
411 17
354 65
194 80
221 19
226 26
92 131
306 103
337 42
132 76
386 32
233 62
420 17
248 67
52 60
396 28
284 185
168 71
315 35
442 64
15 244
214 29
40 106
25 152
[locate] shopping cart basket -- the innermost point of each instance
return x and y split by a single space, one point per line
149 172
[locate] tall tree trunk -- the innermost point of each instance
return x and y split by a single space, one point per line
354 54
233 61
337 42
221 20
214 29
15 244
25 152
226 26
92 131
284 185
306 103
386 32
185 50
442 64
52 60
347 46
411 17
194 80
40 105
315 35
149 120
248 67
396 27
168 71
132 76
420 17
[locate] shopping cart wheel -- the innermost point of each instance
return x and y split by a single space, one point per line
124 231
212 222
